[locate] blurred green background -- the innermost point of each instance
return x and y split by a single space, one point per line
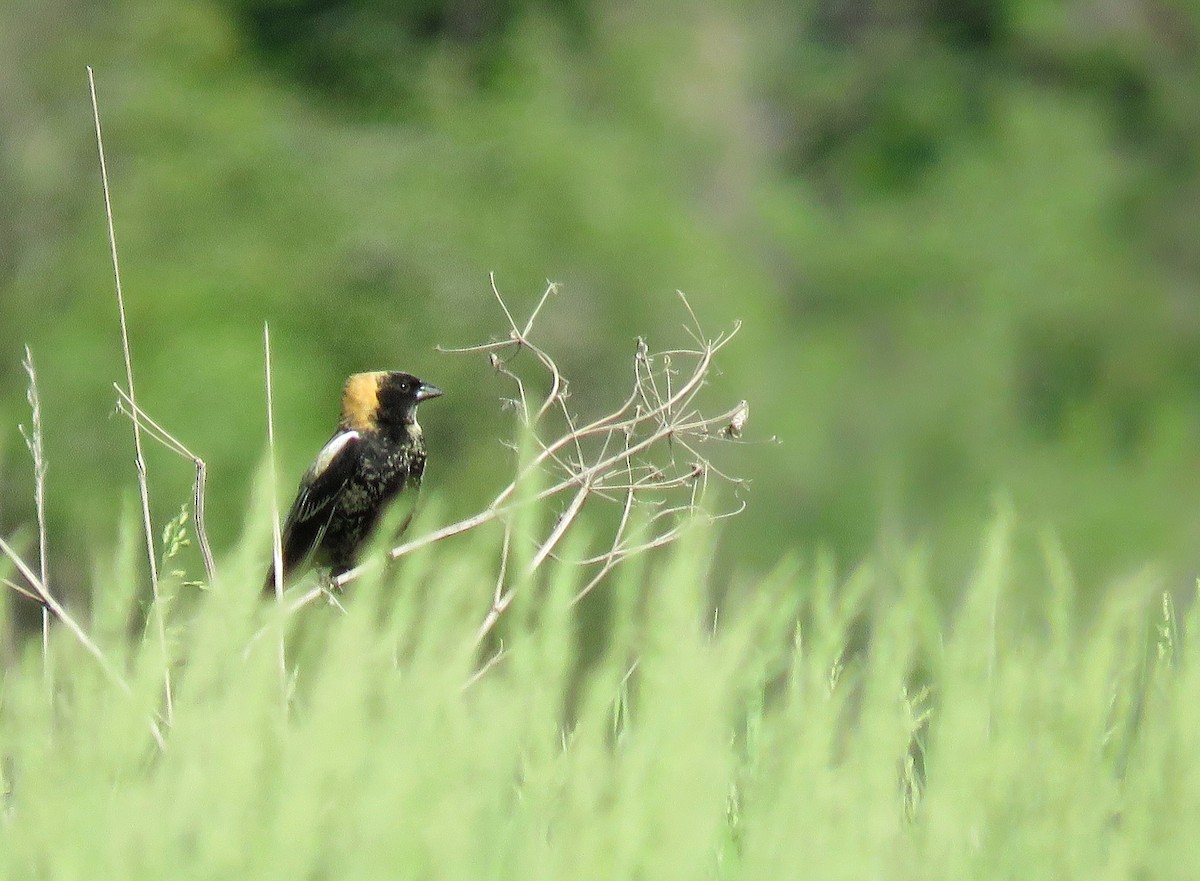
964 238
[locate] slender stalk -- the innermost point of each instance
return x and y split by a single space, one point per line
633 455
560 528
276 537
177 446
499 607
491 662
140 460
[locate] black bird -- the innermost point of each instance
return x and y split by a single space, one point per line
376 453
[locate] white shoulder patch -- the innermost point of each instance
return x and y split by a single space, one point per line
331 449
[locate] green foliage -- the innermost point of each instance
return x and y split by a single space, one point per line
961 237
819 726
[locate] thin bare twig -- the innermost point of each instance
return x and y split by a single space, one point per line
560 527
659 414
503 599
491 662
632 456
505 549
172 443
499 606
140 461
25 592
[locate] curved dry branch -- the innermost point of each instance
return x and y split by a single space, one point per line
632 456
134 411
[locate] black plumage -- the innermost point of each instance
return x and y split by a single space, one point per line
377 453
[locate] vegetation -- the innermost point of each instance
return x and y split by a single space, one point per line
823 725
956 242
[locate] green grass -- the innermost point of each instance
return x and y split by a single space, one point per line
814 726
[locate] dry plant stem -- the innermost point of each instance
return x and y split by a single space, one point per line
500 597
635 459
172 443
560 528
503 599
613 556
610 423
143 486
210 566
505 550
33 440
25 592
491 662
672 416
499 606
520 338
497 508
47 599
276 538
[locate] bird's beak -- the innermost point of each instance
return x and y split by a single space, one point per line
427 391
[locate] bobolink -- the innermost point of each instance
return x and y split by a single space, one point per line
376 453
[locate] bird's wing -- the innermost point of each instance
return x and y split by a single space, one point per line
316 499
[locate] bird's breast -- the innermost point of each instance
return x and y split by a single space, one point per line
385 469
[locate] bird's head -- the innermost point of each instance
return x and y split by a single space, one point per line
383 399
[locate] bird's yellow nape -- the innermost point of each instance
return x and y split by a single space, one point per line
360 400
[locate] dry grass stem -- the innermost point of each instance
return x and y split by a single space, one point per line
500 596
487 665
23 591
172 443
500 604
276 537
140 460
